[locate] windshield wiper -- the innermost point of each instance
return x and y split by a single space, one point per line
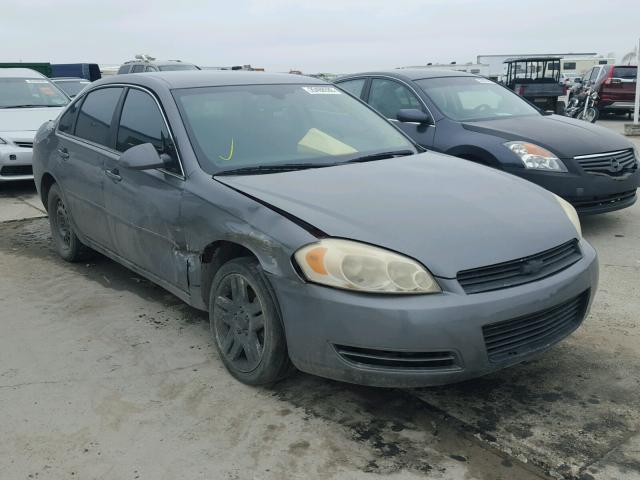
381 156
31 106
258 169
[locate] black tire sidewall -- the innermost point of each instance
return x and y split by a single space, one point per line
73 251
274 363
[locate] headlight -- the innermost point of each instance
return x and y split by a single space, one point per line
536 157
571 213
358 266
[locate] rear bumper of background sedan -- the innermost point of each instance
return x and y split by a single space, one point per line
15 163
423 340
588 193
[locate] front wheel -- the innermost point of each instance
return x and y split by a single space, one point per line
590 115
245 323
65 241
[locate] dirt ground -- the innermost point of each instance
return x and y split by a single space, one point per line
103 375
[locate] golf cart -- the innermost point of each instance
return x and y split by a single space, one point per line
537 79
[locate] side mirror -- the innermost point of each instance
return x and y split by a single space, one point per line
412 115
143 157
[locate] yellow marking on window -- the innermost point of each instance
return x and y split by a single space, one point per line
230 156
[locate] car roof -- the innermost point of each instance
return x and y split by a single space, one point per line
207 78
412 73
156 62
20 72
64 79
531 59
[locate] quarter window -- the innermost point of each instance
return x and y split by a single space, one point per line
388 97
68 120
141 122
354 87
96 113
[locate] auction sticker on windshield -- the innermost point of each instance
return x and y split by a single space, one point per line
322 90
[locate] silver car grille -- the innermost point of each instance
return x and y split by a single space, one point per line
612 163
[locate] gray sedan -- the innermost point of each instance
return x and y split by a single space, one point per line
315 233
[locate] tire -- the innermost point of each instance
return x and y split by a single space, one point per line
246 325
560 108
65 241
591 115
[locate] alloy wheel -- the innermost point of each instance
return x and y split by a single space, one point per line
238 320
62 223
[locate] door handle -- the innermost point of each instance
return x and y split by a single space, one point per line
64 153
114 175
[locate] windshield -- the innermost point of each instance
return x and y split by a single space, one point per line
72 87
234 127
30 92
176 66
472 98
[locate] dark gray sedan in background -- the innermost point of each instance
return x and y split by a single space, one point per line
471 117
313 232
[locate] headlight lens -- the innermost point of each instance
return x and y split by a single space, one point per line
357 266
571 213
535 157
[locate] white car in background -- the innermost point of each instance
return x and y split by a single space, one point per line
27 100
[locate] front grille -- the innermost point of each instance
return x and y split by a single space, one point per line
518 272
512 338
601 201
15 170
613 164
24 144
398 360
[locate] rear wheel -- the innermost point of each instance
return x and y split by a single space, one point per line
65 241
246 325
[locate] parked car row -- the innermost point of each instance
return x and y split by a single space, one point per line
328 226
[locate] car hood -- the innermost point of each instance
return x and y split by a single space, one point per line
564 136
21 119
448 213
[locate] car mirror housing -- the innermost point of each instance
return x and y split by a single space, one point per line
143 157
412 115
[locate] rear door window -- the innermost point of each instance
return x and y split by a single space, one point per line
354 87
142 122
96 114
388 96
625 73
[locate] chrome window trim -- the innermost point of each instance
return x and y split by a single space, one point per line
111 151
403 83
607 154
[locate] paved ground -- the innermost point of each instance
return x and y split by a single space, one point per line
104 375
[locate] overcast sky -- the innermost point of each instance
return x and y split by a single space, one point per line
314 36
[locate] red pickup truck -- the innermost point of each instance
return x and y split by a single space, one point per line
616 86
